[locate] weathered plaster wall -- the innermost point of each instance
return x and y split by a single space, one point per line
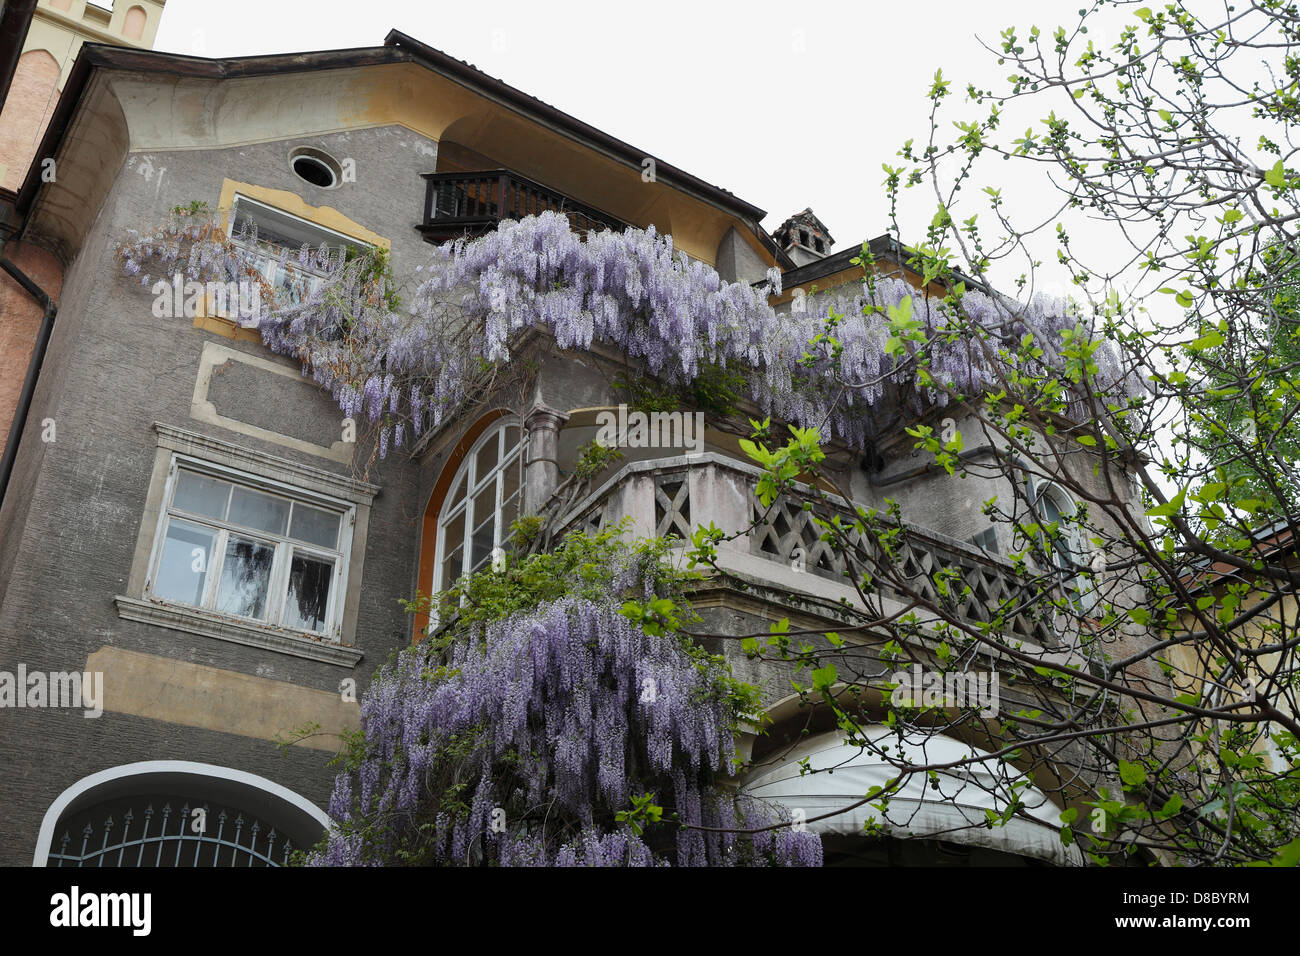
70 523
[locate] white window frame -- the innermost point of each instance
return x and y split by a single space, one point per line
270 264
285 548
468 471
1081 587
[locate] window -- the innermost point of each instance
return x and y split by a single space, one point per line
315 166
251 549
986 540
272 239
1053 505
483 501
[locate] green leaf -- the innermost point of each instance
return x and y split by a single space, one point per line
1276 176
1169 508
1207 341
1131 773
824 677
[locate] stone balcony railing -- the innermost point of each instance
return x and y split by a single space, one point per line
670 497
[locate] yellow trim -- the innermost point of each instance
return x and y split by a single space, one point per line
326 216
292 203
227 327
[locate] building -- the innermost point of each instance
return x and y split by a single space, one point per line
186 517
40 43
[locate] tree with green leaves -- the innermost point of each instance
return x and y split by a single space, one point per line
1160 397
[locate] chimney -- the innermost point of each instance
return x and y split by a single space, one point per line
804 238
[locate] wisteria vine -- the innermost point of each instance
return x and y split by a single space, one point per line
547 723
407 368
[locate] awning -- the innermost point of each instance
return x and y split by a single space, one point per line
953 812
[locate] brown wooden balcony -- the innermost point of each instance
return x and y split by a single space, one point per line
472 203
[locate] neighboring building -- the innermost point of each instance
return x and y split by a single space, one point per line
57 31
153 444
1201 668
40 43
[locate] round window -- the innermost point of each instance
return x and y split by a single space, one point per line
315 166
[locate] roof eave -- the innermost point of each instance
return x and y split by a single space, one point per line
398 48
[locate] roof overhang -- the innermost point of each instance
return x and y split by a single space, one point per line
377 87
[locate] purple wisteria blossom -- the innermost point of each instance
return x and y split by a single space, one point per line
547 709
631 291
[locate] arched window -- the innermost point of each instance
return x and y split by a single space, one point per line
1054 506
484 499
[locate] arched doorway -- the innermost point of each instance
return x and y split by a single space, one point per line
175 813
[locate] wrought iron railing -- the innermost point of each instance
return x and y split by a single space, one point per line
215 837
660 498
471 203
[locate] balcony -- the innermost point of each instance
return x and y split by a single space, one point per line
470 204
668 497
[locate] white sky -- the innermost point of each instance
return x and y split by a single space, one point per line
785 104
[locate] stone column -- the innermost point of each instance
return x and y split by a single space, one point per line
541 469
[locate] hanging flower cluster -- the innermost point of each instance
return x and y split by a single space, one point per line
523 744
191 252
407 368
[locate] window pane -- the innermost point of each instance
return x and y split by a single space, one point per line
315 525
485 504
201 495
481 546
253 509
457 493
452 567
509 512
486 457
512 438
309 591
245 577
183 568
453 533
1051 513
510 480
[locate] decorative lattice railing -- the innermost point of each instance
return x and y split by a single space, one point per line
669 497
